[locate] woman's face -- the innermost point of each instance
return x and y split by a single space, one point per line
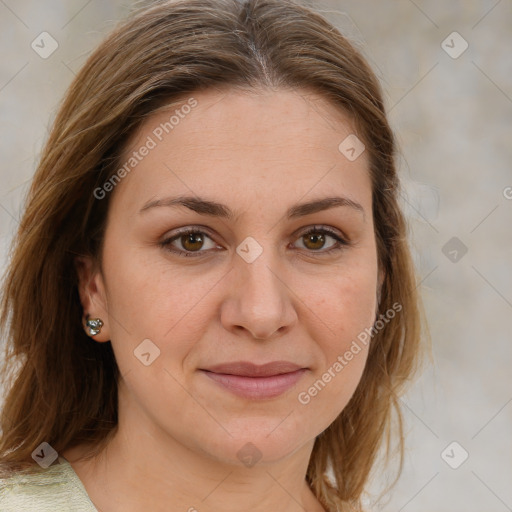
237 341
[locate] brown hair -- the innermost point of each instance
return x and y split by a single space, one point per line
63 387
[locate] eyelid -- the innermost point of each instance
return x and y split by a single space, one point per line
330 231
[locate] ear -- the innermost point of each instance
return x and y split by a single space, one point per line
91 288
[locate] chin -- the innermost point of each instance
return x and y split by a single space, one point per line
258 440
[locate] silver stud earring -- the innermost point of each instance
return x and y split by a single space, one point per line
94 325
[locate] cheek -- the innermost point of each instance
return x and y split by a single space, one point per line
344 308
343 303
151 299
146 289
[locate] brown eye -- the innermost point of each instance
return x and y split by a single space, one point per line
192 241
188 242
315 239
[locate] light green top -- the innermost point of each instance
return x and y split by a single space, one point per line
54 489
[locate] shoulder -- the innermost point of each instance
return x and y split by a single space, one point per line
56 488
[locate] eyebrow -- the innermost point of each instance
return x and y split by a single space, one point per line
215 209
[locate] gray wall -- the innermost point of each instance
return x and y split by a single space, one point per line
452 113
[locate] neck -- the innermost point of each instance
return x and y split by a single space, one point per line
144 468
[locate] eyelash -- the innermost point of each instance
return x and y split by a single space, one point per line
166 244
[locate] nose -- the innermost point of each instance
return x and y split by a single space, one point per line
259 299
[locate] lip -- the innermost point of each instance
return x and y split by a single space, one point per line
248 369
249 380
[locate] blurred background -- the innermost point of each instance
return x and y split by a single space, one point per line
446 70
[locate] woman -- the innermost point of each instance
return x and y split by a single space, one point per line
211 298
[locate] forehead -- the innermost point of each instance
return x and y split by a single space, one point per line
244 144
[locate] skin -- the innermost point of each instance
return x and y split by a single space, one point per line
259 153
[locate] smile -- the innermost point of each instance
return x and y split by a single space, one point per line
256 382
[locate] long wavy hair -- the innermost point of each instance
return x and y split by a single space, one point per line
61 387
